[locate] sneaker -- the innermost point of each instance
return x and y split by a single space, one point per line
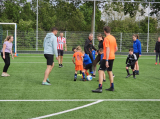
156 63
79 74
61 65
48 80
93 76
134 77
128 76
137 73
75 79
45 83
4 74
7 74
113 75
98 90
110 89
83 79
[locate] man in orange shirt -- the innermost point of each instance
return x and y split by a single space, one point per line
109 49
78 62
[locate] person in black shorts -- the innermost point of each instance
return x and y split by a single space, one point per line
157 50
61 41
137 51
130 61
50 49
98 58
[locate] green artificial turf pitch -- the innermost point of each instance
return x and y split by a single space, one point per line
27 72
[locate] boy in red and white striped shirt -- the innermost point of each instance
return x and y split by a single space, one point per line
60 42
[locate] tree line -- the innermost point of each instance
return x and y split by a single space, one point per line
75 16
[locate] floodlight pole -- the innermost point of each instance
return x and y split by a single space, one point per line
94 21
37 29
148 26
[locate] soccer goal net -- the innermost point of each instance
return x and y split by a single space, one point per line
4 32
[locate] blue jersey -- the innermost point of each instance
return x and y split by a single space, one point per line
137 46
86 59
102 56
93 54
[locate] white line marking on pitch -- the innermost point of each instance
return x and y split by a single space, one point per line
70 100
68 110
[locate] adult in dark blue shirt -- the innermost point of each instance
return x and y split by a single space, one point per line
157 50
137 51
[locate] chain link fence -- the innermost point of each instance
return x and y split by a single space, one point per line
26 41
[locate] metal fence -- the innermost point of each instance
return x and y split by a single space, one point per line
26 41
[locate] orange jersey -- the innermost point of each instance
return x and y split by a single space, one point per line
78 58
110 42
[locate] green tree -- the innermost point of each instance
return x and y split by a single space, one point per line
68 17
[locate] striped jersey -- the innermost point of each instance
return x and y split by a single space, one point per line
60 42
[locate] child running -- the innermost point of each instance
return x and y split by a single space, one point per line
130 61
78 56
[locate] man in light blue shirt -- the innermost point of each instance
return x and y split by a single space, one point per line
50 49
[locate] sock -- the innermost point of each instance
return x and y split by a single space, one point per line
127 71
80 72
112 85
94 72
100 86
133 73
75 76
91 72
83 75
59 64
87 73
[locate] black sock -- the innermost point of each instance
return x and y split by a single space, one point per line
59 64
80 72
133 73
127 71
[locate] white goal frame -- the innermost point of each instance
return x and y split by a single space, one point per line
15 29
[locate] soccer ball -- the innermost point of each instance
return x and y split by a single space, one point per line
89 77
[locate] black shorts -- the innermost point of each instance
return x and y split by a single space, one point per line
137 55
49 58
103 65
88 66
60 52
130 65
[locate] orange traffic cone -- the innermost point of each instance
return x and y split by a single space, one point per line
15 55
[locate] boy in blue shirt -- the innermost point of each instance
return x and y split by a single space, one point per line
87 63
93 54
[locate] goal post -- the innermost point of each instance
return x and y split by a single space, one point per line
15 36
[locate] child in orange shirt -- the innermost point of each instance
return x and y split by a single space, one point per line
78 56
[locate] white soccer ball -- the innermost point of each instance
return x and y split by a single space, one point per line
89 77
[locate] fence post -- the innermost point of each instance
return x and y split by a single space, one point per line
121 42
